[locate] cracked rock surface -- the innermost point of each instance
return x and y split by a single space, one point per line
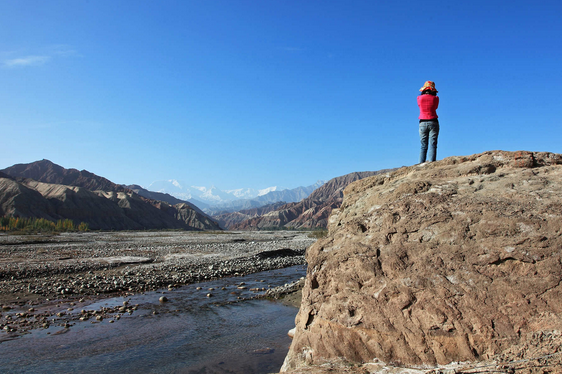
453 261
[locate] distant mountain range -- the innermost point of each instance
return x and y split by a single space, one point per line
214 201
233 219
43 189
209 195
312 212
273 197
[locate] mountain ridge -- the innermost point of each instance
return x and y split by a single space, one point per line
309 213
48 172
273 197
213 200
60 193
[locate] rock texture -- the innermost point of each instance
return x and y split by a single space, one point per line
453 261
312 212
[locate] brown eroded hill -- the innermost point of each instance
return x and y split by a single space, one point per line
231 219
49 172
95 200
311 212
456 262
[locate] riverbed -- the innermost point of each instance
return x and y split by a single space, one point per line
35 269
147 302
204 328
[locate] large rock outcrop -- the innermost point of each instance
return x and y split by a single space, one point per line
459 260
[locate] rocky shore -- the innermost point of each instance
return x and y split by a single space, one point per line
71 269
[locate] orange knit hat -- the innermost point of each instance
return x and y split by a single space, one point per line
429 85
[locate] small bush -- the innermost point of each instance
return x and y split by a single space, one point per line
83 227
318 234
19 224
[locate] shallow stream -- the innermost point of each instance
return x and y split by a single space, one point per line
190 333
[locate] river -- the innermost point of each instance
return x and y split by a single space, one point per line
190 333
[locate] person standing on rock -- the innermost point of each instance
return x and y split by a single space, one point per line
428 101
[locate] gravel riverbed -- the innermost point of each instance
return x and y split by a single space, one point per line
38 271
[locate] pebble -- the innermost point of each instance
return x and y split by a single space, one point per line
65 282
163 299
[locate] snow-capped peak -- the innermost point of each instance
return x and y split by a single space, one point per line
213 195
267 190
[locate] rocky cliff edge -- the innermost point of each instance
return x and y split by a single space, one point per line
455 263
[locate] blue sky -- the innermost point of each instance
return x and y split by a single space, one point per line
262 93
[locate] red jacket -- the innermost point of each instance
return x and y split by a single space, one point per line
428 106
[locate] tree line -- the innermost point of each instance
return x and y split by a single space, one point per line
40 224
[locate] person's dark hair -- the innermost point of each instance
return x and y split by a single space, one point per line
429 92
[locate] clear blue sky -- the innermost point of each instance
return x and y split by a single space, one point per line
262 93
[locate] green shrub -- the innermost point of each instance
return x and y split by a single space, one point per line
83 227
20 224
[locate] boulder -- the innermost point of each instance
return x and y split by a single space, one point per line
457 260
